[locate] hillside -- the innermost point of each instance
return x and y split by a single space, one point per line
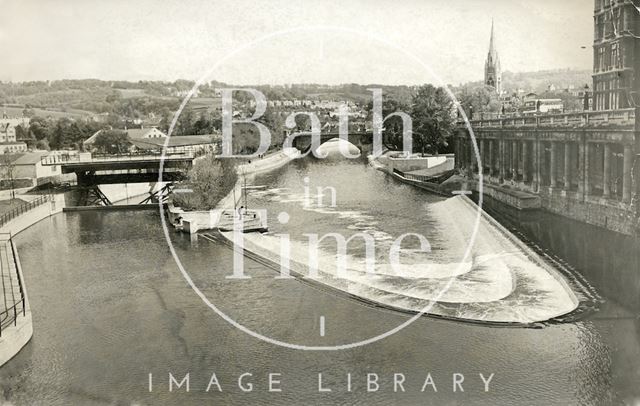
539 81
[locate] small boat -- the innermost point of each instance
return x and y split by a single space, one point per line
251 222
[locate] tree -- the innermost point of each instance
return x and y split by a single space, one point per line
210 180
7 165
112 142
28 111
165 120
23 134
274 123
478 99
43 145
433 119
40 127
184 124
392 126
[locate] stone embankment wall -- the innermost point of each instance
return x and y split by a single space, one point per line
192 221
415 163
15 337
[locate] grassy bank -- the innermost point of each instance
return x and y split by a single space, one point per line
209 180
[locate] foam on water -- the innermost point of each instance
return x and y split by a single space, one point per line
500 281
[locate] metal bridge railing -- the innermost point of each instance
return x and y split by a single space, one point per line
87 157
13 303
23 208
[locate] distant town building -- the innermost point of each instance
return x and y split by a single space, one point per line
492 69
8 127
145 133
177 144
29 166
533 106
153 140
12 147
616 68
133 133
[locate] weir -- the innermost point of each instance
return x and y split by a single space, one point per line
502 281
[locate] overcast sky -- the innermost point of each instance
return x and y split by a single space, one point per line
330 41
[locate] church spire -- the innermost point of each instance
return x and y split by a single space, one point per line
492 44
492 68
492 49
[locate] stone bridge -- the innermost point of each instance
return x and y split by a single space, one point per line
359 139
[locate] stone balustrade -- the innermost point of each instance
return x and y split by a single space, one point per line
623 117
585 157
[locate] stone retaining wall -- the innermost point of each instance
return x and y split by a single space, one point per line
208 219
14 338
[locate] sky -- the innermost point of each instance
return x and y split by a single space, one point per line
286 41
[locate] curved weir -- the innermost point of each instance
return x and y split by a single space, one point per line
500 281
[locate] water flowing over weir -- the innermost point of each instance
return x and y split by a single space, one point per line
501 280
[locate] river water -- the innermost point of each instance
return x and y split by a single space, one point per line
110 307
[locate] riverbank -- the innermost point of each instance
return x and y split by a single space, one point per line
128 307
494 284
489 288
16 335
193 221
435 175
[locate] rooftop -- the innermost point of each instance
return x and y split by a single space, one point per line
28 158
175 141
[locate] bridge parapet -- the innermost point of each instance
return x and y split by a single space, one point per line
88 157
609 118
581 163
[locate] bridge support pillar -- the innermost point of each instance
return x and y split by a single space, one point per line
491 158
537 178
626 173
606 175
534 165
552 166
525 161
473 159
514 160
507 159
482 156
500 160
567 166
588 189
581 168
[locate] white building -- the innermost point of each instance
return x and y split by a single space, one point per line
12 147
134 134
8 127
29 166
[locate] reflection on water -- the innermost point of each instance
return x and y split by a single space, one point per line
610 261
496 280
110 307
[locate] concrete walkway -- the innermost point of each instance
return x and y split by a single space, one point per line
15 314
15 335
6 194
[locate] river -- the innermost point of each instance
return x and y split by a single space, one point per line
110 307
